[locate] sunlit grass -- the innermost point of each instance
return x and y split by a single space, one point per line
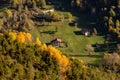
76 43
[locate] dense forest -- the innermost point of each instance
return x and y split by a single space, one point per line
25 56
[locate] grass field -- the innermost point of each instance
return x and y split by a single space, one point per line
76 42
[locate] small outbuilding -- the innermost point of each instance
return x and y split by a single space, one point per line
85 31
56 42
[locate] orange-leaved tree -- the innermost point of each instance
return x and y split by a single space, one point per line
62 60
21 37
24 37
28 38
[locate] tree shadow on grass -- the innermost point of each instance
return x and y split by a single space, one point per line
109 47
99 47
71 24
97 63
85 18
48 32
93 56
78 32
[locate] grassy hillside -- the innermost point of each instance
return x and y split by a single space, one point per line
71 34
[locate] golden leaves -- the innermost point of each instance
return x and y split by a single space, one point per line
62 60
12 35
37 42
28 38
25 38
21 37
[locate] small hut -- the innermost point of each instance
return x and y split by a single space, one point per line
56 42
85 32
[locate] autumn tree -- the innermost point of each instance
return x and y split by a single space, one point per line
38 42
8 13
21 37
12 36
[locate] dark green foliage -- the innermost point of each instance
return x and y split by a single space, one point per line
22 61
76 72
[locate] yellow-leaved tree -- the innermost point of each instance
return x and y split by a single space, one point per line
37 42
28 38
44 47
8 12
62 60
21 37
12 36
24 37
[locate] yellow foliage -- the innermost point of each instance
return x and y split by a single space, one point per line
21 37
44 47
64 63
1 34
115 30
8 12
81 61
24 37
12 35
65 60
37 42
62 60
28 38
84 67
53 51
110 28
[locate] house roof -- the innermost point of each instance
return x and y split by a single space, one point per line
84 30
57 39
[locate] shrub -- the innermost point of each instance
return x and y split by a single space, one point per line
111 61
90 49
